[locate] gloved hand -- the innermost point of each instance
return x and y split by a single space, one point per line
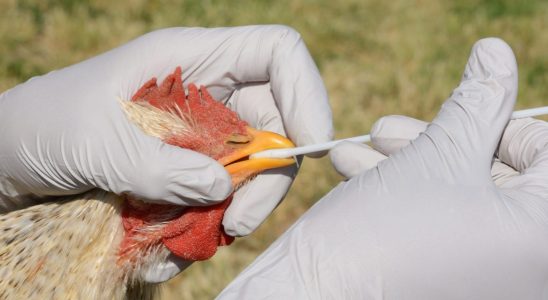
65 133
428 222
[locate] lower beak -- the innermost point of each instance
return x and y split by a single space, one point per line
240 166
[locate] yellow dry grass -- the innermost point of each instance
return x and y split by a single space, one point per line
376 57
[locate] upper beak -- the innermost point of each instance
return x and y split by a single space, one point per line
260 141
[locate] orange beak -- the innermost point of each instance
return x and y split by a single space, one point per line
240 166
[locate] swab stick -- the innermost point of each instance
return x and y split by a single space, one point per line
290 152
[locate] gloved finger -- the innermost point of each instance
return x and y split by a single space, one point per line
224 58
159 172
143 166
350 159
166 270
524 146
464 135
256 200
391 133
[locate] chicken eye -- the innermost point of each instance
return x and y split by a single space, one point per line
238 139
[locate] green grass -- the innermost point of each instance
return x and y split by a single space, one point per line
376 58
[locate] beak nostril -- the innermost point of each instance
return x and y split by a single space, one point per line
237 142
238 139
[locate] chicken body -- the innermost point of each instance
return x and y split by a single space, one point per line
67 249
99 245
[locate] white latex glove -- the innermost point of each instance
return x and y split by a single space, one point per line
428 222
64 133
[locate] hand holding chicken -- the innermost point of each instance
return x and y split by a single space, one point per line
66 133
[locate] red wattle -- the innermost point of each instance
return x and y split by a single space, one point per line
197 233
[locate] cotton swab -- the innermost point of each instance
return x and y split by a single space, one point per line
290 152
531 112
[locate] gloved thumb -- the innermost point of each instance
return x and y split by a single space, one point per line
466 132
157 172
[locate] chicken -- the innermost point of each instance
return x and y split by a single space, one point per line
99 245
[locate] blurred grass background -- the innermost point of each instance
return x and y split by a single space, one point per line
376 57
